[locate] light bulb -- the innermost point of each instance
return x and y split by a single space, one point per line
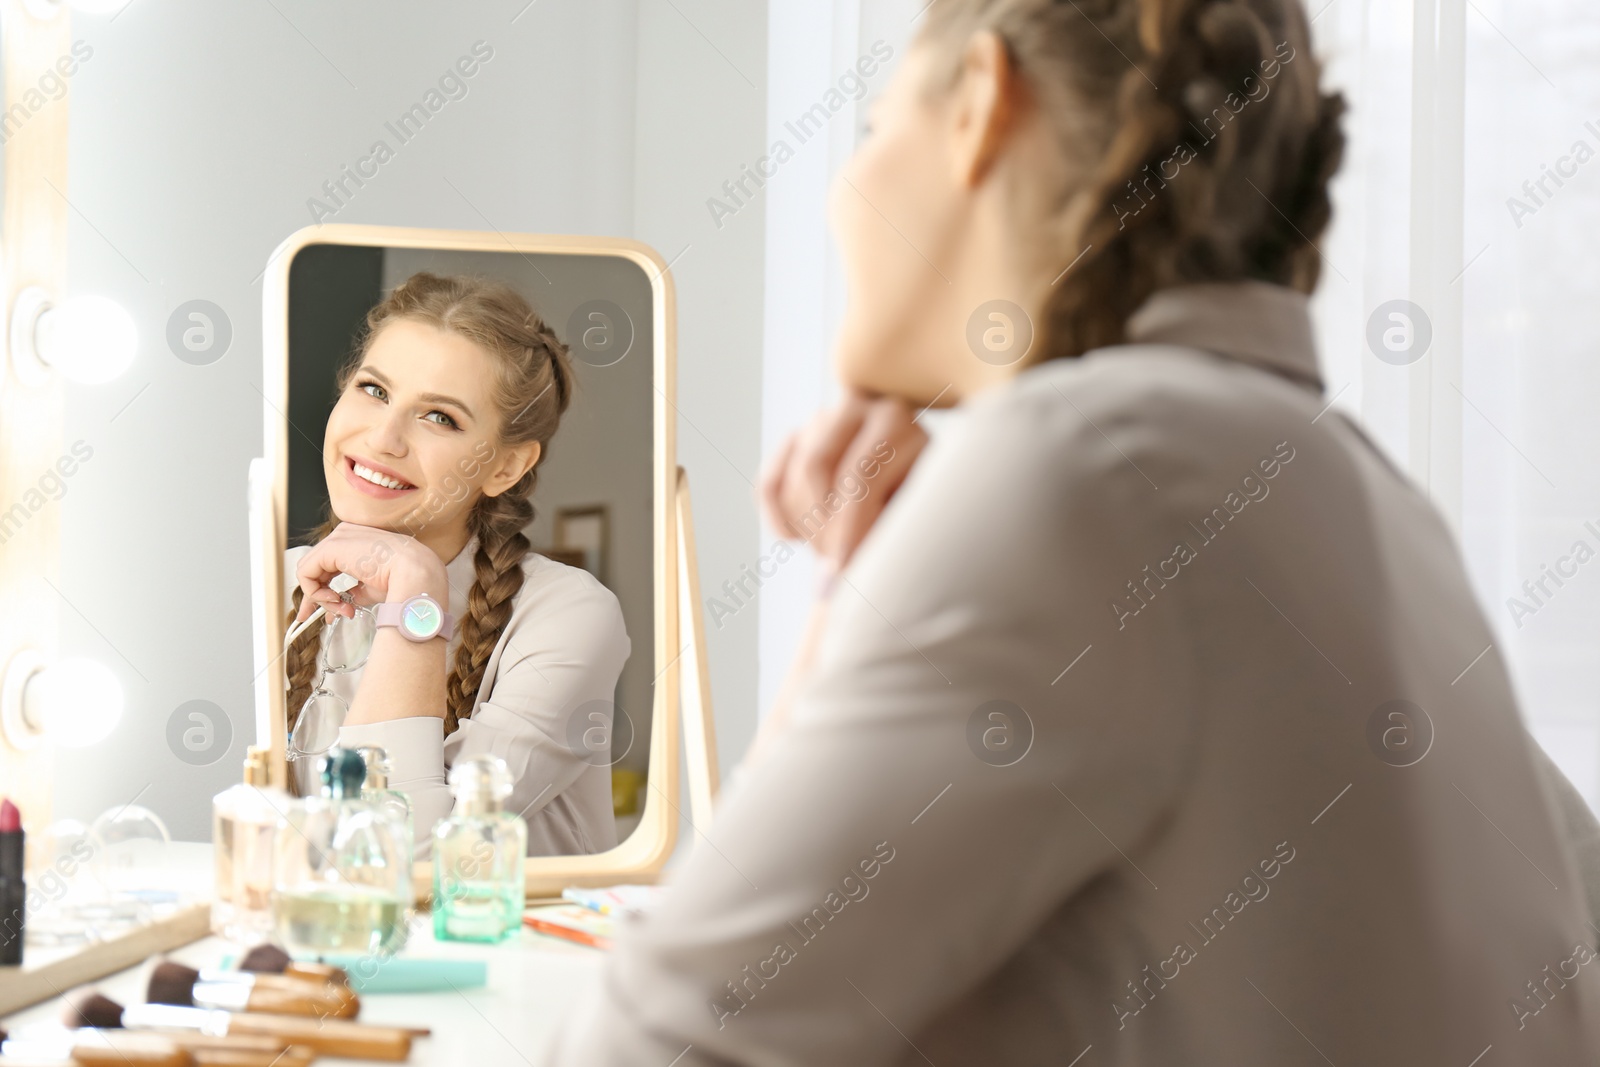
74 702
89 339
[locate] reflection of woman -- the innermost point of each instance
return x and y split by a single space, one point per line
1155 720
431 454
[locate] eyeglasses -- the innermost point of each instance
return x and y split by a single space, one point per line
345 649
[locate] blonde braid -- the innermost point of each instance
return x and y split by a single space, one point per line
302 658
498 522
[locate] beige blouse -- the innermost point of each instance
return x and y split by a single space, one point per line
1156 724
557 662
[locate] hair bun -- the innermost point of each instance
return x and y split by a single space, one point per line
1232 38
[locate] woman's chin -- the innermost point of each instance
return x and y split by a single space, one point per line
883 369
350 506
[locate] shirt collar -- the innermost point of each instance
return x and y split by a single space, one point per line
461 572
1266 325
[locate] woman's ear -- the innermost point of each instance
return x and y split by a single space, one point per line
984 106
513 463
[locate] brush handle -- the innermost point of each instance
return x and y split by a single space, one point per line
329 1037
291 1056
339 1001
133 1053
317 972
198 1043
301 999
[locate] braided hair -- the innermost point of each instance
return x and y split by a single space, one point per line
1194 141
532 389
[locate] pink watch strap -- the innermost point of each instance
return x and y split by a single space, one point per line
392 613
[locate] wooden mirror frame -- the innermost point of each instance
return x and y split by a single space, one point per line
640 857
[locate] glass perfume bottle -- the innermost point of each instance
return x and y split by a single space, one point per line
244 826
343 874
477 857
391 802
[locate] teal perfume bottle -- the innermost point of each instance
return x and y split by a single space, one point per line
342 873
477 857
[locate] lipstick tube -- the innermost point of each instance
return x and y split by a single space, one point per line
13 893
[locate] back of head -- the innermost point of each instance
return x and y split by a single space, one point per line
1192 144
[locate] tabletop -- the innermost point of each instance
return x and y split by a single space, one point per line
531 981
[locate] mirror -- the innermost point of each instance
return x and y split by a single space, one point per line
597 606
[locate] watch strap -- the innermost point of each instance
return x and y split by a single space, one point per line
392 613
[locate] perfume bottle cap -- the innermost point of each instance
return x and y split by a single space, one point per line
378 766
342 772
255 766
483 780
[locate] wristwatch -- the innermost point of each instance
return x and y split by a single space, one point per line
419 618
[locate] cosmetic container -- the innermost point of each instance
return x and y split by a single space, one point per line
13 893
342 871
390 802
477 856
244 828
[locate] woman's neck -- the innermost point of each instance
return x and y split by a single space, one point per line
446 541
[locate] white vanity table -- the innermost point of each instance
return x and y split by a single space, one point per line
531 981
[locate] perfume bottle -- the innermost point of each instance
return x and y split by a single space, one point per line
391 802
477 857
244 826
343 873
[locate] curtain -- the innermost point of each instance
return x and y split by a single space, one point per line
1467 207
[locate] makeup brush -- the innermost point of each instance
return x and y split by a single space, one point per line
267 958
327 1037
88 1011
94 1049
173 983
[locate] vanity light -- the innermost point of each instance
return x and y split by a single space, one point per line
89 339
73 702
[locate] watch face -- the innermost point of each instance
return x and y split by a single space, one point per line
421 618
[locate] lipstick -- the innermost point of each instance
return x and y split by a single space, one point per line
13 894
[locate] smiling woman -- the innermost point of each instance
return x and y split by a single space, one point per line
430 458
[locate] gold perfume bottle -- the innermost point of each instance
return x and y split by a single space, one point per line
244 824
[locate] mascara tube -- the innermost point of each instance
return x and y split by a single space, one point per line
13 894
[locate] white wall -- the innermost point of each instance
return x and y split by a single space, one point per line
199 131
701 83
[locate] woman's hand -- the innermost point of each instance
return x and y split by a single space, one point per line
830 481
388 565
827 485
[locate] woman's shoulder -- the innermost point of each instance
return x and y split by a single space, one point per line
551 589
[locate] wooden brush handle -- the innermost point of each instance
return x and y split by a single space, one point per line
194 1041
292 1056
303 999
133 1054
339 1001
317 972
329 1037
